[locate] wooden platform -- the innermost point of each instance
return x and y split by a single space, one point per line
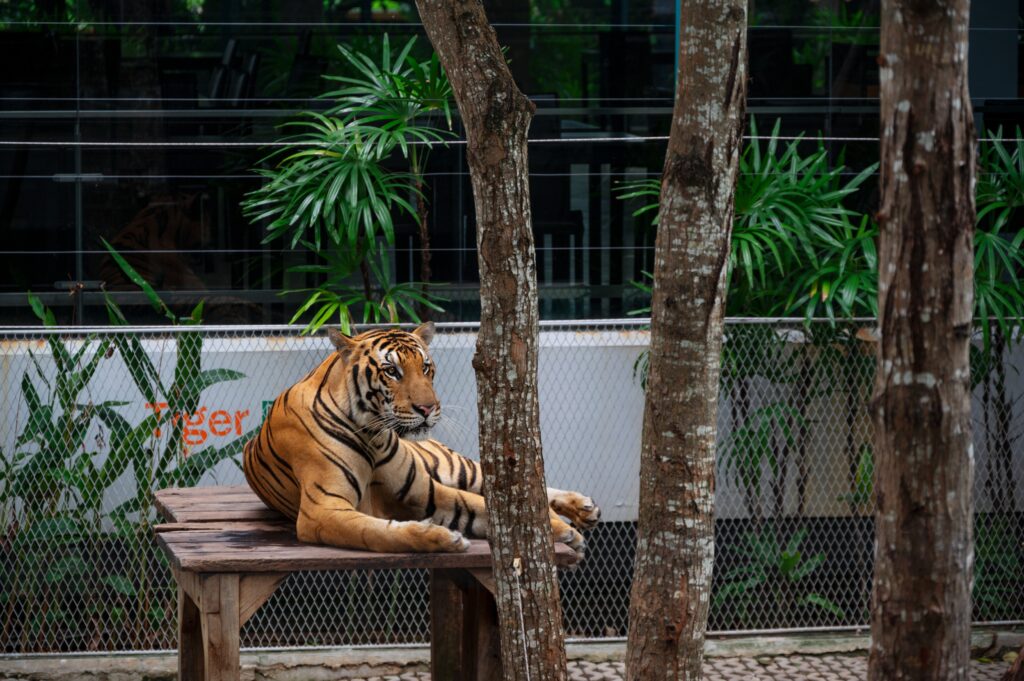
218 529
229 553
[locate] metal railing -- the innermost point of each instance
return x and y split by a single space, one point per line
95 419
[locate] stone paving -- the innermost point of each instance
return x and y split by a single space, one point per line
783 668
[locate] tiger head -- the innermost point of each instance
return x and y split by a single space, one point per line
389 378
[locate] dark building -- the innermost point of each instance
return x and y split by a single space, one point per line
139 123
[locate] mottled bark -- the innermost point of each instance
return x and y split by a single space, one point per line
672 578
921 609
497 117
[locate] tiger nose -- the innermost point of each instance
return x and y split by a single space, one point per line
425 409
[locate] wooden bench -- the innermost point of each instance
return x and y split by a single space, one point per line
229 553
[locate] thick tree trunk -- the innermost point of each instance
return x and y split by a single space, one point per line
497 117
672 578
921 610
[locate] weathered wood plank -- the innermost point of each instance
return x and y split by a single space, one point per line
234 502
446 627
228 525
237 513
251 551
184 503
211 490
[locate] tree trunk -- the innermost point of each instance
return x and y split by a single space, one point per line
497 117
423 223
672 578
921 609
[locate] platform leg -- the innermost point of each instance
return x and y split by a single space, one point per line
190 639
446 596
481 640
464 640
220 617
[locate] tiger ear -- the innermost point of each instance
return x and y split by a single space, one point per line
426 332
342 343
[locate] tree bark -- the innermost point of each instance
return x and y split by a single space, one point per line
921 609
675 552
497 116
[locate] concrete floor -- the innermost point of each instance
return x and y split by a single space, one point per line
809 657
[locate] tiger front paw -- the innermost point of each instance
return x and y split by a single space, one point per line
574 540
580 510
436 539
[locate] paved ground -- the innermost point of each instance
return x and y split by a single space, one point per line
788 668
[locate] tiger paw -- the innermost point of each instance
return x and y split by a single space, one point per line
580 510
574 540
440 539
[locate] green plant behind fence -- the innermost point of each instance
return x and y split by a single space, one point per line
797 250
76 493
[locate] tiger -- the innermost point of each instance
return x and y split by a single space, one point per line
157 243
345 454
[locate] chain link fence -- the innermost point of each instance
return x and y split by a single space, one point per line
94 420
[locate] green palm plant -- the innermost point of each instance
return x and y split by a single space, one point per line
998 237
400 94
330 181
844 283
330 189
999 307
790 218
389 302
394 90
796 247
776 573
54 525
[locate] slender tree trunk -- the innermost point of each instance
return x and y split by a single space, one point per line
497 117
921 610
675 551
423 222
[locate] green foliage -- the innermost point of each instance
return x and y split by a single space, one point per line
335 296
330 182
330 188
796 248
998 237
864 479
66 515
774 575
393 91
844 284
756 443
790 230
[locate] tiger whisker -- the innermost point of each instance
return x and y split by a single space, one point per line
375 425
460 429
